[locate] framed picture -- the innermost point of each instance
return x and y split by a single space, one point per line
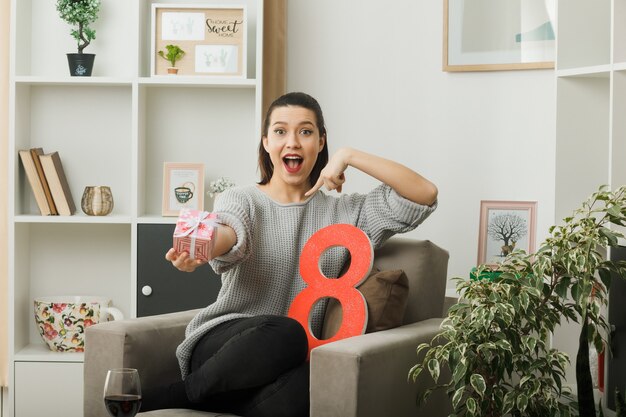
183 187
488 35
213 39
504 227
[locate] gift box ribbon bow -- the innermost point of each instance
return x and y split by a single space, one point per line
192 224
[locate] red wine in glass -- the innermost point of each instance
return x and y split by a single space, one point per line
122 392
123 405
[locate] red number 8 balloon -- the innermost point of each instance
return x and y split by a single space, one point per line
342 288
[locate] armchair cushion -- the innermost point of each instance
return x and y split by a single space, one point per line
386 294
367 375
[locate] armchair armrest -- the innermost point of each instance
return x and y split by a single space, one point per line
137 343
364 376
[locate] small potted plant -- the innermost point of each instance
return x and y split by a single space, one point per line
80 14
174 53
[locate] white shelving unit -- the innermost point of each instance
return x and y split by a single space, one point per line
115 128
591 99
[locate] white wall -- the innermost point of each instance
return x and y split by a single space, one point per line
375 67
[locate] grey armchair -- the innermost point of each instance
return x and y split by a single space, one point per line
362 376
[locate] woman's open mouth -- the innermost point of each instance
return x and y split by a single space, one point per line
292 163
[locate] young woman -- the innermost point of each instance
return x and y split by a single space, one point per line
242 354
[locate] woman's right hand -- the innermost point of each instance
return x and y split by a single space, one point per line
182 262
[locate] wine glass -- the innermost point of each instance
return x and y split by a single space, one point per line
122 392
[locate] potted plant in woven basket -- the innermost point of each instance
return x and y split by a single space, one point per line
495 340
80 14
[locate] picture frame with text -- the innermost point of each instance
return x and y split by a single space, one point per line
212 37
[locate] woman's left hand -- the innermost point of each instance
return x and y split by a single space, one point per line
332 175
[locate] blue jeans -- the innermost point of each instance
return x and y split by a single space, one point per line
253 367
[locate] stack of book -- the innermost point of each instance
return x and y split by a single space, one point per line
48 182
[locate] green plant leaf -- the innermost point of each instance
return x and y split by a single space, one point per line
575 291
598 343
478 383
609 235
504 344
525 379
433 368
415 371
562 286
529 342
605 277
459 372
455 307
615 211
421 347
557 379
470 404
456 398
522 402
524 299
508 403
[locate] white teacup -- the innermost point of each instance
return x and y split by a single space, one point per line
62 320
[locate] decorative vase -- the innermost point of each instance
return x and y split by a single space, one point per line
97 201
80 64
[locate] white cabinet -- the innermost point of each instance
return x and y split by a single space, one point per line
591 101
115 128
48 389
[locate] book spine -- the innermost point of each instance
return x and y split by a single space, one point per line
59 186
35 154
65 186
35 183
